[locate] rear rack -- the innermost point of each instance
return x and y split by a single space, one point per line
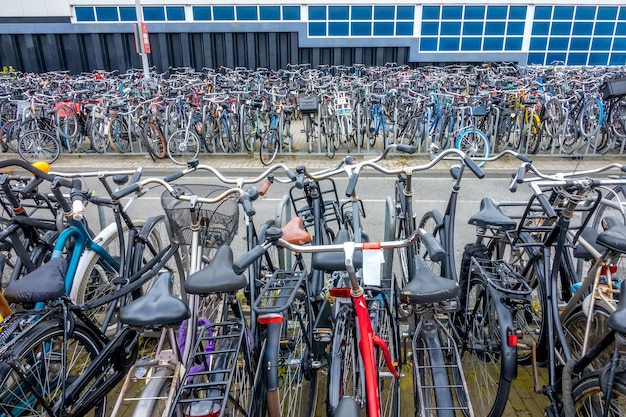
278 292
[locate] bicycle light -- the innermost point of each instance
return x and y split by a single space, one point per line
511 338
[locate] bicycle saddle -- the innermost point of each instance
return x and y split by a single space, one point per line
617 320
157 307
614 237
348 407
336 261
490 217
293 232
45 283
590 235
426 287
218 276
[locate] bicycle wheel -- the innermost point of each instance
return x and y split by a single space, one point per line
575 326
224 137
38 145
409 133
235 134
119 136
483 349
297 385
617 118
589 395
98 136
385 326
66 123
475 144
615 199
49 362
590 118
269 147
552 117
183 146
154 395
249 133
343 377
569 140
154 140
532 138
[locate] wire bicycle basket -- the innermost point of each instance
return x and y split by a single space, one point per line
218 222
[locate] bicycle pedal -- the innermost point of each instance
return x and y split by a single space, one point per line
322 334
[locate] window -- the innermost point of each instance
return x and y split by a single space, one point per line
291 12
269 12
404 29
449 44
563 12
558 44
582 28
474 12
107 14
622 13
543 12
473 28
338 12
153 13
515 28
496 12
85 14
383 28
176 13
384 12
128 14
471 44
361 29
541 28
513 44
617 59
579 44
452 12
246 13
538 44
428 44
621 29
201 12
494 28
585 12
317 12
493 44
361 12
604 28
338 29
430 28
536 58
619 44
606 13
223 13
430 12
555 57
317 29
561 28
598 59
450 28
405 12
517 12
601 44
577 59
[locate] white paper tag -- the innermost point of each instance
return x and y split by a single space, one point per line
372 266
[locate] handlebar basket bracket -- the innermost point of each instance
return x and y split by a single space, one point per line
218 222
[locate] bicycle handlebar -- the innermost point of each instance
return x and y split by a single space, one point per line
240 181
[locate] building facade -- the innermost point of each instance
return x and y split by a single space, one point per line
83 35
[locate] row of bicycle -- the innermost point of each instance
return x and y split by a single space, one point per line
231 345
179 114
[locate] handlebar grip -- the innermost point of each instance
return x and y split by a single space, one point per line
513 185
435 250
300 181
546 206
352 184
247 205
521 172
292 175
174 176
99 201
125 191
240 265
265 187
136 175
524 158
78 209
624 168
469 162
410 149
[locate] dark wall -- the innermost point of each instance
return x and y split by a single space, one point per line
90 51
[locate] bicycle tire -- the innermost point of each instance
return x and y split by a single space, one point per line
588 395
225 139
343 378
574 326
235 133
66 122
483 350
532 138
249 134
475 144
210 133
569 140
409 133
269 147
153 140
605 210
590 118
617 117
38 145
40 354
119 135
183 146
98 136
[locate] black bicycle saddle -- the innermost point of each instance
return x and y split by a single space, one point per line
426 287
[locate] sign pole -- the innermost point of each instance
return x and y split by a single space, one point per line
143 42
